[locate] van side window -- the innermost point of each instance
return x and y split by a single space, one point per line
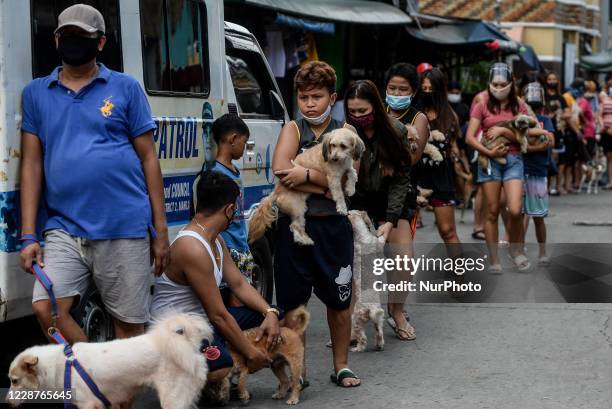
174 47
252 83
44 22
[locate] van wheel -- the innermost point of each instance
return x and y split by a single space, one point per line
91 315
263 271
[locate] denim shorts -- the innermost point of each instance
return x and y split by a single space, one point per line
513 169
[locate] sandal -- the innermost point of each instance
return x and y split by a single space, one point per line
478 235
495 269
544 261
521 262
402 334
344 373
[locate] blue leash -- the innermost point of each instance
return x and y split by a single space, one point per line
71 360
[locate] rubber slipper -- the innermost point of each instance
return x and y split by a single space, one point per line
495 269
479 235
400 333
343 374
543 261
521 262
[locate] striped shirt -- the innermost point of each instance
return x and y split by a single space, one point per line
606 112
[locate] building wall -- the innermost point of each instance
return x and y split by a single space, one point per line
545 24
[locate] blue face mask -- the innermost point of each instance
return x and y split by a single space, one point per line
397 103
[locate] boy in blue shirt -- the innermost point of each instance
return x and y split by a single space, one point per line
231 134
535 163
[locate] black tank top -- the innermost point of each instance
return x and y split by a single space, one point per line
317 205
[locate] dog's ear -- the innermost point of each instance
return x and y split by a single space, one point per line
532 122
326 148
358 148
28 363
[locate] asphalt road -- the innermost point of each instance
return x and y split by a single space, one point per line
495 355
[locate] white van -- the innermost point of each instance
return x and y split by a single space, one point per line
194 68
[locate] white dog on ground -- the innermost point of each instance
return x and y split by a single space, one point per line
167 358
335 157
367 306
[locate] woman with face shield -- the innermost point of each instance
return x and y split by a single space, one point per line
500 103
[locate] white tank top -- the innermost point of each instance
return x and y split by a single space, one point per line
169 296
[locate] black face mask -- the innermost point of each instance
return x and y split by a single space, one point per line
535 105
75 50
551 85
427 98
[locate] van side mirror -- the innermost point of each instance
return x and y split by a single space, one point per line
276 103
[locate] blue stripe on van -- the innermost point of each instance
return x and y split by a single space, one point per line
9 220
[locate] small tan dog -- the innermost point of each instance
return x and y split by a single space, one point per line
367 305
464 183
422 196
290 352
429 150
335 157
520 126
167 357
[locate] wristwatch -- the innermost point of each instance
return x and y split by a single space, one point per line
272 309
307 175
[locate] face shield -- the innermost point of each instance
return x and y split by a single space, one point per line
500 72
533 93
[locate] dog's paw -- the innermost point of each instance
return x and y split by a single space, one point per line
293 401
380 346
436 156
342 210
303 240
349 190
245 398
279 395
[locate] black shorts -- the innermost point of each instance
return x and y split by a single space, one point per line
326 266
606 142
591 144
569 156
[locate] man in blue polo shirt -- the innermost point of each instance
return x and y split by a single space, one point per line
88 150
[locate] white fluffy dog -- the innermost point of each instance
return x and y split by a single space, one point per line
367 306
167 358
335 157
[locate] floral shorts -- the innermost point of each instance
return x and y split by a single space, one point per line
245 263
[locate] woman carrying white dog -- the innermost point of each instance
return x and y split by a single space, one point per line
200 260
383 188
432 100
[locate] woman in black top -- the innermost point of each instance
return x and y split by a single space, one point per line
401 84
432 100
384 184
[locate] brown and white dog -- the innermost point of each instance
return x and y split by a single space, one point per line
167 357
335 157
288 353
592 171
519 126
367 305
